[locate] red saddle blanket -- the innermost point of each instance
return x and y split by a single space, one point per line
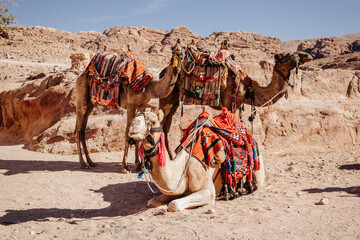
107 70
224 132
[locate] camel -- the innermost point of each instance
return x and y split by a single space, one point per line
261 95
201 183
128 99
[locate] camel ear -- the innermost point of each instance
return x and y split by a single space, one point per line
152 117
161 115
278 56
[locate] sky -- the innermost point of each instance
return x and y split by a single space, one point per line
284 19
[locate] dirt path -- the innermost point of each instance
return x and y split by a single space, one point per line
46 196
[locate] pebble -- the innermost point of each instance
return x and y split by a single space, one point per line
160 210
106 226
355 190
210 211
323 201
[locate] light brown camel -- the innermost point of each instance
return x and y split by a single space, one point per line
128 100
200 184
284 63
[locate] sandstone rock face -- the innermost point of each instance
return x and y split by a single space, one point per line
79 61
322 111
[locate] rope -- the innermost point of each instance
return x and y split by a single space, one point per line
192 135
282 91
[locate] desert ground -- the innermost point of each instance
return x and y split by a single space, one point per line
45 196
309 142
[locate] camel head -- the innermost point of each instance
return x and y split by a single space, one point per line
143 127
177 55
291 60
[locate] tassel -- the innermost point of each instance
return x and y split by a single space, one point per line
233 166
162 151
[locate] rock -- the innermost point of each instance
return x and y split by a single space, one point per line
160 210
210 211
106 226
355 190
323 201
79 61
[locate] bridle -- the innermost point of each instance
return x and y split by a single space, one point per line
294 60
154 150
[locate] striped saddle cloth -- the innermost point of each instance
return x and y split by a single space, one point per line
106 70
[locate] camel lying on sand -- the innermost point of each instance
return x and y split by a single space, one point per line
199 186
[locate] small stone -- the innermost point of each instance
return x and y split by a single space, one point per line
142 219
355 190
32 232
323 201
160 210
106 226
210 211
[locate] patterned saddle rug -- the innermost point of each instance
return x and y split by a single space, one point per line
205 75
107 69
227 133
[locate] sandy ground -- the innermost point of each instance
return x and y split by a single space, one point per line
46 196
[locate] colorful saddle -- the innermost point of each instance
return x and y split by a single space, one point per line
205 75
224 132
106 70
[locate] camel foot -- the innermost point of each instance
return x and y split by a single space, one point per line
124 170
83 166
138 167
92 164
175 206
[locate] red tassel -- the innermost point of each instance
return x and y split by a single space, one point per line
250 178
141 152
162 151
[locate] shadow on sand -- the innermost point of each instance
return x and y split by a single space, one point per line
355 166
116 194
22 166
334 189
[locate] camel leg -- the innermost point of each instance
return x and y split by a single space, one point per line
200 198
169 105
83 141
137 158
130 114
81 122
83 110
160 200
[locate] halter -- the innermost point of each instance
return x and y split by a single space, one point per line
295 60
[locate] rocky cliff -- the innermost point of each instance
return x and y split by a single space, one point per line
38 110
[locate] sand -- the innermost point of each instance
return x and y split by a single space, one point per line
46 196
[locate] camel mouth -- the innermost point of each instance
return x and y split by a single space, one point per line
135 136
305 57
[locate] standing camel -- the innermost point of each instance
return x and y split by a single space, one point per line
284 63
200 184
129 100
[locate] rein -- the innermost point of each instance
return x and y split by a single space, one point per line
294 60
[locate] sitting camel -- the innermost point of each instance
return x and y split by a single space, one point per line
252 94
128 99
199 186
